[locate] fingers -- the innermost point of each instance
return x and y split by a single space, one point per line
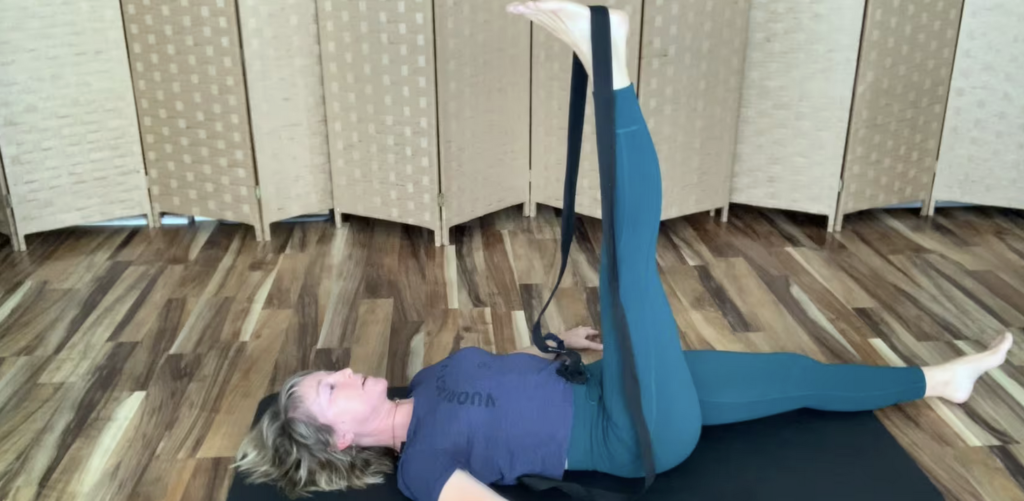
583 338
585 331
584 344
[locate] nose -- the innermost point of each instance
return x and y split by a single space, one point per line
347 373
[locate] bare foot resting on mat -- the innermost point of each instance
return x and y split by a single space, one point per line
954 380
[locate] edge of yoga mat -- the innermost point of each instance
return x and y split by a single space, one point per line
797 456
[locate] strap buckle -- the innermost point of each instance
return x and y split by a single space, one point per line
559 347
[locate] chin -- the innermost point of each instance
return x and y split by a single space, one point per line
378 385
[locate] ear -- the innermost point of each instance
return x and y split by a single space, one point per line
343 440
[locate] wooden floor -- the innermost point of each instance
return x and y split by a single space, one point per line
131 360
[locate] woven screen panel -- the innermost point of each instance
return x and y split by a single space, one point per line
6 216
982 155
483 75
797 90
187 68
70 138
378 60
691 73
899 102
552 69
286 101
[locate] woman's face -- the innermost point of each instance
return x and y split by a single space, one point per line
353 404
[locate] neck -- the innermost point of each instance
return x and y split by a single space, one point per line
393 428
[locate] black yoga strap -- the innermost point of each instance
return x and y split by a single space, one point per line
572 367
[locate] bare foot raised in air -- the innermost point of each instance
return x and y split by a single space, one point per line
954 380
570 22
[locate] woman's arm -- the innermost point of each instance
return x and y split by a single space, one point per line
580 338
462 486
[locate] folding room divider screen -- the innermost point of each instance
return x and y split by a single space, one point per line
899 102
982 156
190 92
436 112
281 50
691 76
483 78
379 78
68 131
6 216
797 88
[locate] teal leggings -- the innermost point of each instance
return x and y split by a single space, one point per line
685 390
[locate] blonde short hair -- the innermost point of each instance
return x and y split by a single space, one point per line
288 447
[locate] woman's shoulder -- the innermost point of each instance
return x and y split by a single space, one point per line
423 471
429 453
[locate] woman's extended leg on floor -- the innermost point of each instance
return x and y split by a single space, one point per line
734 387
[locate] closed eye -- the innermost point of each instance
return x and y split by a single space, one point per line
326 389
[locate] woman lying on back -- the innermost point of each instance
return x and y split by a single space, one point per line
476 418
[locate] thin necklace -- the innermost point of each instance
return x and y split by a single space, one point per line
394 434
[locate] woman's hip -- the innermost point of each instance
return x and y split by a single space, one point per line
604 439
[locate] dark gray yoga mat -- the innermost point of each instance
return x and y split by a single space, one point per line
798 456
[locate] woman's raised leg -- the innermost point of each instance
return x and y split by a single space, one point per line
604 437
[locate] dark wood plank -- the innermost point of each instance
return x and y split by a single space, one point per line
195 412
95 295
151 423
95 392
737 321
340 319
998 285
210 479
